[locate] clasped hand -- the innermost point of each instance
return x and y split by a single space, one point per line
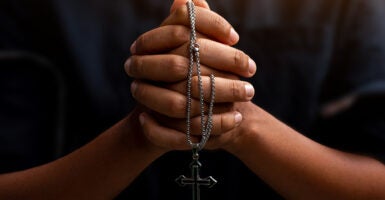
159 65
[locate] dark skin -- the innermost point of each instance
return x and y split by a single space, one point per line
294 165
102 168
297 167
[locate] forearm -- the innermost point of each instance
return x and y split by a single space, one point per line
300 168
99 170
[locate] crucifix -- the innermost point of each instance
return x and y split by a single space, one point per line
196 181
206 122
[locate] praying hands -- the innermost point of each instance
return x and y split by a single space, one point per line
294 165
227 63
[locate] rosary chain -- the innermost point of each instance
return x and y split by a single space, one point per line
206 125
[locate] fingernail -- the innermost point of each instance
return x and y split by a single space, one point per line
252 66
234 37
127 66
141 119
133 48
238 118
134 86
249 90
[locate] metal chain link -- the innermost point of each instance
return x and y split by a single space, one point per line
206 125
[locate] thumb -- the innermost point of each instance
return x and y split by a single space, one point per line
179 3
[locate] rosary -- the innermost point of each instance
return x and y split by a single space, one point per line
206 124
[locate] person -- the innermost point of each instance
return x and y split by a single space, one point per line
295 166
100 169
292 164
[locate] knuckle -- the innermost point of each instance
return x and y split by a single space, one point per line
217 21
235 89
203 44
177 107
205 86
240 59
181 13
194 80
180 33
136 65
141 42
178 67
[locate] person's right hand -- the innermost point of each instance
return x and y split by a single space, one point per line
167 48
160 56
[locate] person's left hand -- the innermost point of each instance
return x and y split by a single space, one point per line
160 64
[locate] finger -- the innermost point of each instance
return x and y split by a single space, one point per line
164 101
161 100
161 39
174 139
207 22
161 136
166 68
222 123
213 54
168 102
221 57
226 90
179 3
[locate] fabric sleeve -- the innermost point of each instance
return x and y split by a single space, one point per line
358 65
353 97
30 111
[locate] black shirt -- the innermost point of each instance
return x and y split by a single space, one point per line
313 57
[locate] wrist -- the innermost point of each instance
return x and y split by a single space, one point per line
133 138
249 129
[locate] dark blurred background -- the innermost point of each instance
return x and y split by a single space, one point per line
62 80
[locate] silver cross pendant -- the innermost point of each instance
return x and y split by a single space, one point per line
196 181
